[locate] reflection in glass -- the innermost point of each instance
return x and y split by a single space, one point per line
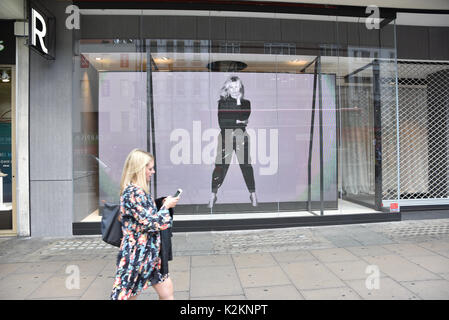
6 187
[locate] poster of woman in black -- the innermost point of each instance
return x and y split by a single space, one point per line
233 114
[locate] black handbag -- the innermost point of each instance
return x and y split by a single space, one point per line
111 227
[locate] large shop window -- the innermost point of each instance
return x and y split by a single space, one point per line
248 124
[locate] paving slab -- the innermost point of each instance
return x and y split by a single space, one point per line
350 270
438 246
444 275
20 286
292 256
85 268
400 269
342 241
284 292
333 255
366 251
433 263
99 289
311 275
336 236
8 268
214 281
181 280
254 260
193 244
408 249
109 269
200 241
343 293
260 277
388 290
150 294
429 289
18 249
212 260
366 236
236 297
60 287
179 263
40 267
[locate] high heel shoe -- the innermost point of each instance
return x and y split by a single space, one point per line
213 199
253 199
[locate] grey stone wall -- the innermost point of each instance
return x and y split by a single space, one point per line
51 177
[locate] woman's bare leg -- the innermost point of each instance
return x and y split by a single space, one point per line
165 289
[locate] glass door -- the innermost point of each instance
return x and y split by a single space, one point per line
368 116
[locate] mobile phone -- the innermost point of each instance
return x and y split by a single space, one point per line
178 193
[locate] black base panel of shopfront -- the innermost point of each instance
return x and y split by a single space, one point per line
287 222
424 209
90 228
237 208
424 215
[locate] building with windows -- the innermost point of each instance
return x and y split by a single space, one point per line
340 112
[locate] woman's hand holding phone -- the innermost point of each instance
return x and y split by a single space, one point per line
171 202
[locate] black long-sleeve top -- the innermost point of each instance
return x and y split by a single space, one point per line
229 112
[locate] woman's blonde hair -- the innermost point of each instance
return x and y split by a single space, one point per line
224 92
134 170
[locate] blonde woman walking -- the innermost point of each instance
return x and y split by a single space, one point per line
138 261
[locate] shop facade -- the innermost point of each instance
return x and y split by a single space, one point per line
340 117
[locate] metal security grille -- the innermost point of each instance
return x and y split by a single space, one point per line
423 103
419 172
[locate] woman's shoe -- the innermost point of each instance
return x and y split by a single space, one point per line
213 199
253 198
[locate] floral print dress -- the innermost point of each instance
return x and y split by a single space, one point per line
138 261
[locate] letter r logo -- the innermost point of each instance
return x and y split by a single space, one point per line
35 32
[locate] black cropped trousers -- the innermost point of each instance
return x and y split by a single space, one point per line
229 141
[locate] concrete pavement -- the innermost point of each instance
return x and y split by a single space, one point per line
393 260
